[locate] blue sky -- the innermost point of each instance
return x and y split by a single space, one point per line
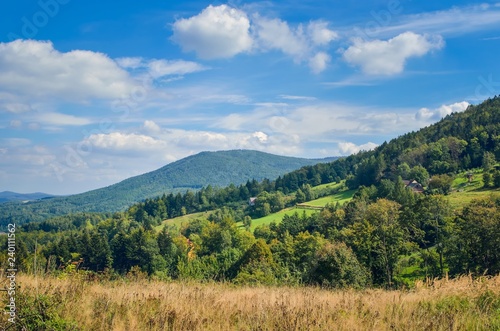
93 92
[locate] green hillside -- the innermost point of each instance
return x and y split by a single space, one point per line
191 173
464 192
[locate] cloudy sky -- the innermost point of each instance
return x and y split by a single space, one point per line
93 92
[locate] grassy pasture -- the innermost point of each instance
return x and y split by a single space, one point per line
177 222
135 303
341 198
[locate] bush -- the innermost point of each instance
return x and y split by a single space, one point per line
40 313
441 184
336 266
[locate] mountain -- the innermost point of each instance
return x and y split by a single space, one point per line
460 141
7 196
207 168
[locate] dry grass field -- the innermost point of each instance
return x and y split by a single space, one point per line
140 304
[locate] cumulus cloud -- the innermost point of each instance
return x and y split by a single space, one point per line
348 148
277 34
151 127
319 62
426 114
261 136
124 142
320 33
36 69
223 32
198 139
217 32
300 43
388 57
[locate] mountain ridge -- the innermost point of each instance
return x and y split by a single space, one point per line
6 196
219 168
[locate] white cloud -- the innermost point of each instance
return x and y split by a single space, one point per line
124 142
151 127
35 69
380 57
199 140
426 114
319 62
130 62
261 136
16 108
299 43
452 22
160 68
320 33
277 34
348 148
296 97
217 32
319 122
15 123
223 32
59 119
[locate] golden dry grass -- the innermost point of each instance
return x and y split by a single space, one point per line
463 304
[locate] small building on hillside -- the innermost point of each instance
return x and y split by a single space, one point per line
414 186
251 201
470 176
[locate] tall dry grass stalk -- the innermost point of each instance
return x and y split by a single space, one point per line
461 304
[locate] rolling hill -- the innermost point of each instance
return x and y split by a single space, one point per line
7 196
206 168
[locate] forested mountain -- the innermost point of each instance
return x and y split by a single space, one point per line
6 196
191 173
460 141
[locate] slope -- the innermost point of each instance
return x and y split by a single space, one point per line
456 143
206 168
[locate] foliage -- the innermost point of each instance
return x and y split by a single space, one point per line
476 238
41 312
336 266
441 184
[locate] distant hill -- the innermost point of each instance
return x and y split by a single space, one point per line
207 168
7 196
